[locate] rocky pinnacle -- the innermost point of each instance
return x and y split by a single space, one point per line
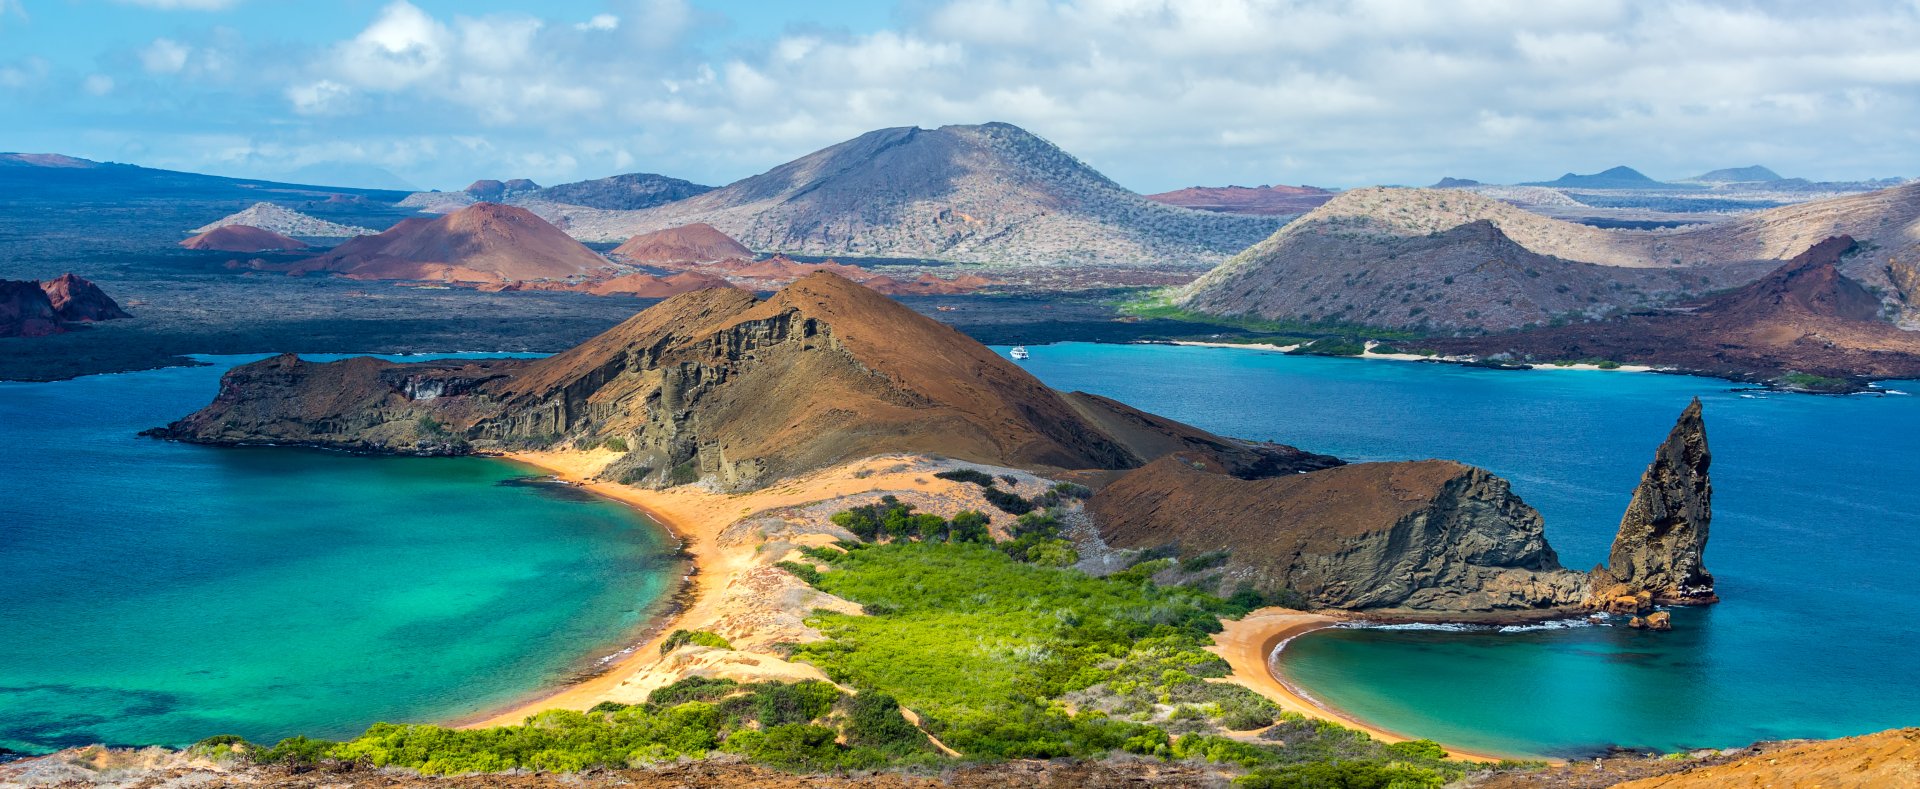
1657 554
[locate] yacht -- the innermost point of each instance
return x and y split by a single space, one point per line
1018 352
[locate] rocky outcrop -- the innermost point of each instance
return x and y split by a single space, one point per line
1657 554
25 310
37 309
722 387
1429 540
1430 536
76 300
625 192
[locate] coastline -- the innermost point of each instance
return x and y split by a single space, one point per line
720 583
1410 357
1248 643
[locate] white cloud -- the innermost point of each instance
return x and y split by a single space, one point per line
97 84
1158 93
165 56
599 22
324 97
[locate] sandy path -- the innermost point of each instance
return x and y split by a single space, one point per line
1245 645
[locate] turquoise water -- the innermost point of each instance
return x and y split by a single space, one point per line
1816 527
159 593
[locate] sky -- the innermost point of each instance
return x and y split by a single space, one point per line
1157 94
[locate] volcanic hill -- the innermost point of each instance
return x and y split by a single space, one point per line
720 386
626 192
1805 317
1622 177
992 193
286 222
695 243
484 242
1441 259
1263 200
242 238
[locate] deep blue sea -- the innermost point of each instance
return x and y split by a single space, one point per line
159 593
1815 533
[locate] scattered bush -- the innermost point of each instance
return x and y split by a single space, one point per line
802 571
702 638
972 475
615 443
1009 503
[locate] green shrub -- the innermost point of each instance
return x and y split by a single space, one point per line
1009 503
874 720
684 474
701 638
615 443
969 526
794 746
692 689
805 572
822 553
1204 561
972 475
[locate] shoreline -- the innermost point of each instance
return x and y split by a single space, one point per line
582 692
1464 361
1247 644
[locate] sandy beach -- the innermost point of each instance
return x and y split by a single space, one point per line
1247 642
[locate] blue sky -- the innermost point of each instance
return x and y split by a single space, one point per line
1158 94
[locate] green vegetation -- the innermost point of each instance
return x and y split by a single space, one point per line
792 726
1813 383
1059 663
615 444
972 475
700 638
891 518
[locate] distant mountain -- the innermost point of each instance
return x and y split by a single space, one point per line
1450 182
1738 175
1259 200
629 192
1448 259
1615 178
484 242
1440 259
284 221
492 191
1805 317
992 193
52 176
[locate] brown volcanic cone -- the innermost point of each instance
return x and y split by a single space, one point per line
695 243
77 300
721 386
484 242
1804 317
242 238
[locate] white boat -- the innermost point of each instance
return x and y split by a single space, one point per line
1019 352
